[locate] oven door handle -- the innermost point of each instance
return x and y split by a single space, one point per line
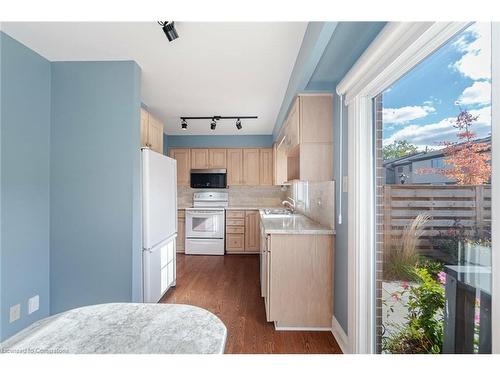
210 213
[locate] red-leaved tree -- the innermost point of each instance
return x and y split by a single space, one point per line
467 159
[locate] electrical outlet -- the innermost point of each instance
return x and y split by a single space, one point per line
15 313
33 304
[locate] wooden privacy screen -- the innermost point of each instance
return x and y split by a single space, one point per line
469 206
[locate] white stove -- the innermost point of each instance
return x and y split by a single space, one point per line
205 223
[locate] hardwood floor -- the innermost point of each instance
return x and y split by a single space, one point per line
229 287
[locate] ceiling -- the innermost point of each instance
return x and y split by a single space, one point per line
211 69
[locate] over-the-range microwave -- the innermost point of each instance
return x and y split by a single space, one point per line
209 178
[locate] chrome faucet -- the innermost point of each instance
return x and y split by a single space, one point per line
290 202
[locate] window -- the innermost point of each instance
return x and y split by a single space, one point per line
437 163
433 236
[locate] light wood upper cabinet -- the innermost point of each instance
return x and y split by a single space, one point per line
252 232
217 158
199 158
293 126
251 166
316 118
151 132
183 157
304 148
234 166
245 166
266 166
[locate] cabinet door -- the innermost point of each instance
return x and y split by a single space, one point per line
199 158
316 118
234 166
217 157
251 166
294 125
155 134
252 235
181 232
235 243
266 166
182 155
144 128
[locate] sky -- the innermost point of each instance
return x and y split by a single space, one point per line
422 105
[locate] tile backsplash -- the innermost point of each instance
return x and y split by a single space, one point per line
258 196
315 200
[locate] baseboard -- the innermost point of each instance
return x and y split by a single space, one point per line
293 328
340 335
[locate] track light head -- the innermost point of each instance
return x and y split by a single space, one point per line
169 30
184 124
238 124
213 124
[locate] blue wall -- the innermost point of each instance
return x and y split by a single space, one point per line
316 38
24 188
220 140
95 140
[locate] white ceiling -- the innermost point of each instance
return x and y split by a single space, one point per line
211 69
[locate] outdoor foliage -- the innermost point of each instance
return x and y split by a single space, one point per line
400 260
424 330
398 149
467 159
451 240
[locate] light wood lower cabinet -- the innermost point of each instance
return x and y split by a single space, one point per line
181 231
298 280
242 231
252 235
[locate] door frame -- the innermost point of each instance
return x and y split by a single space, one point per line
398 48
495 185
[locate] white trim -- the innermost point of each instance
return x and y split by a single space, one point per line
361 243
398 48
292 328
495 181
340 336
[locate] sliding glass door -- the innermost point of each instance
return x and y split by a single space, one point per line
433 150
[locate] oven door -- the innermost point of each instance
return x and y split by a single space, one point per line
204 223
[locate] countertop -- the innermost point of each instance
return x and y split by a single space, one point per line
124 328
238 207
294 224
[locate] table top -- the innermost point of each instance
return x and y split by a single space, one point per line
124 328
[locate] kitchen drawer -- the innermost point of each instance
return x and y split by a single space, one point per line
235 214
235 222
235 242
240 230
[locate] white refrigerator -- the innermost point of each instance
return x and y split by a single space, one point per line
159 224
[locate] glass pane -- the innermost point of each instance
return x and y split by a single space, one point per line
433 142
203 224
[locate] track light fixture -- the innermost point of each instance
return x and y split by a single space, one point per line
213 123
169 30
